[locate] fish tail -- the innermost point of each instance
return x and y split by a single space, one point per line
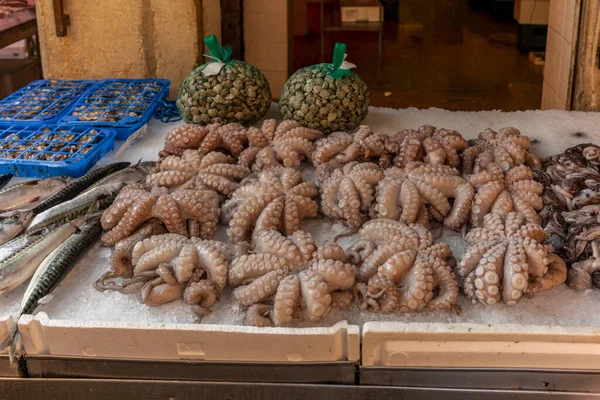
11 342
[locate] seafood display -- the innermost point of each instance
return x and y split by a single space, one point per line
288 146
229 138
28 194
277 198
256 189
403 194
184 212
427 144
506 259
571 200
215 171
342 148
503 192
506 148
168 267
347 193
402 270
12 223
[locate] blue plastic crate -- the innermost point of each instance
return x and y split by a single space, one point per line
52 150
124 105
43 101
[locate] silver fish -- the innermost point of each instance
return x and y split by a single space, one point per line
13 223
27 194
58 264
133 174
86 203
19 267
9 248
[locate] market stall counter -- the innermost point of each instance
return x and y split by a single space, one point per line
538 348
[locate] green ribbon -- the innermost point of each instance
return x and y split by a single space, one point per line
339 51
217 52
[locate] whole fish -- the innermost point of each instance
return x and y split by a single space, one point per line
132 174
58 264
10 247
79 185
55 267
13 223
88 202
17 268
4 179
27 194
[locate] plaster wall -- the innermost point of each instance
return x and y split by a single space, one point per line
126 39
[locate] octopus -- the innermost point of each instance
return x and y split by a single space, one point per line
503 192
404 193
306 286
341 148
348 192
184 212
276 198
286 146
427 144
506 260
402 270
506 148
169 267
230 138
193 170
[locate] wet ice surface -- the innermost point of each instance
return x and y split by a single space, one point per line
77 300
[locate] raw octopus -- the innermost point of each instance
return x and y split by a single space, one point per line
427 144
285 146
347 193
403 194
167 267
193 170
185 212
402 270
507 148
229 138
276 199
506 259
303 281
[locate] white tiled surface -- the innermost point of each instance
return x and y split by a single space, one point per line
560 48
267 40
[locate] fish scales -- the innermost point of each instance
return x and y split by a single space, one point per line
17 268
61 263
78 185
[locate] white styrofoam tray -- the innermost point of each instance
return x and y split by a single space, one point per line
80 321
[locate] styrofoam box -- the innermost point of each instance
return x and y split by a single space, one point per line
17 50
553 330
400 344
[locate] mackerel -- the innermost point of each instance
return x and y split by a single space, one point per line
12 223
58 265
17 268
88 202
27 194
79 185
132 174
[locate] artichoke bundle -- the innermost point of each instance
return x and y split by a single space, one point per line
328 97
223 90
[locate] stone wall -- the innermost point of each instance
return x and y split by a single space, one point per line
127 39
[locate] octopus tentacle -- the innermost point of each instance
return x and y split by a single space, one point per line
286 300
